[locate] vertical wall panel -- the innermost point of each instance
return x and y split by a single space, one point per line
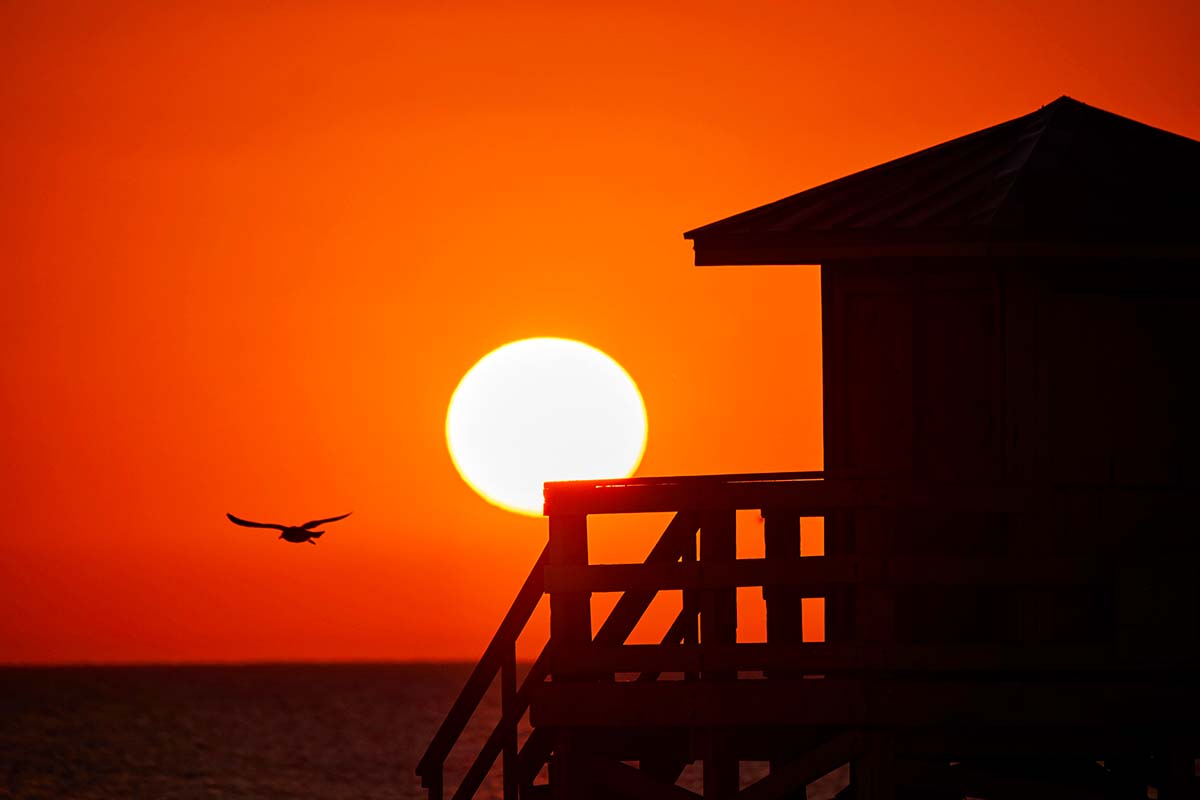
878 362
956 393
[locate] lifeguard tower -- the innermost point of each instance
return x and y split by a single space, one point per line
1012 430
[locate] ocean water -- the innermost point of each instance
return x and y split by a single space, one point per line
262 731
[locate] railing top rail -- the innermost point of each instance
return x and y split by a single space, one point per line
811 494
676 480
805 492
659 493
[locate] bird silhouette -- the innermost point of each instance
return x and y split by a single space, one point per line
298 534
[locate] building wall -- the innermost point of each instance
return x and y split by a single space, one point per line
1077 377
1026 371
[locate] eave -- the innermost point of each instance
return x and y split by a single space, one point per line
820 247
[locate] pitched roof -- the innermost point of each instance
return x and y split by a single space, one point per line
1068 179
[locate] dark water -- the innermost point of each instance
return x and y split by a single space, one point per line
263 731
271 731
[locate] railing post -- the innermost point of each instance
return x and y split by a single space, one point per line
433 784
781 534
785 617
690 606
570 625
718 607
873 772
570 612
718 626
839 602
508 710
432 763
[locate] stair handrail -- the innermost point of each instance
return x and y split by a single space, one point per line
495 743
430 767
678 540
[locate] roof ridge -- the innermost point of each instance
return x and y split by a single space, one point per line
1017 170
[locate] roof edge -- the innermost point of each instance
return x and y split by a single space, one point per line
824 247
872 171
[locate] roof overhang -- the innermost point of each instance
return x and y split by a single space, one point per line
826 246
1067 181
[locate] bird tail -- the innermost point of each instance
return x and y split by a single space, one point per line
315 534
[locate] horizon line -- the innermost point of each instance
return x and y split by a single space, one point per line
267 662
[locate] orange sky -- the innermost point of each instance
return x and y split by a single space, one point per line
247 255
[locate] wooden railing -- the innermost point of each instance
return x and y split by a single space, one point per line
520 767
500 657
696 555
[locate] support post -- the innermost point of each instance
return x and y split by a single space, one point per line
433 785
508 707
568 772
570 624
570 611
718 625
1179 772
691 607
873 774
721 768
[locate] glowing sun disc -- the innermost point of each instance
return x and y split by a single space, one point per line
540 410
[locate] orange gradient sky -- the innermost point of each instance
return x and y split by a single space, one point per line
250 249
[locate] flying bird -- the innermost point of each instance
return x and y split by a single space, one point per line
290 533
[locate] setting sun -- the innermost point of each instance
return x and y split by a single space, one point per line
542 410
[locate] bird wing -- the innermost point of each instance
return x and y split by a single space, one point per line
308 526
245 523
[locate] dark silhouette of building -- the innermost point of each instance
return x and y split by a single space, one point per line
1011 461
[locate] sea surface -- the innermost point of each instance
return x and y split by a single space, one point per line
258 731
